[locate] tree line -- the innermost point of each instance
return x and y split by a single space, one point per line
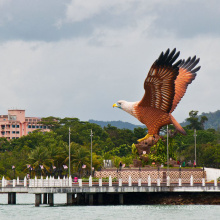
50 150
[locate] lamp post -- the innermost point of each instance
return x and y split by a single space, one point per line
69 155
91 150
167 151
195 144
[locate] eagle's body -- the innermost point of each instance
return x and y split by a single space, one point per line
164 86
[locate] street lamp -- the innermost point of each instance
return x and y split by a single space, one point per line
91 150
69 155
167 151
195 144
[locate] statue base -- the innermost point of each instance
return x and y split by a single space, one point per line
144 147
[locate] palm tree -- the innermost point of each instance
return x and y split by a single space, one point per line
81 157
40 156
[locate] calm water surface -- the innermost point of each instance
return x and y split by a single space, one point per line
25 209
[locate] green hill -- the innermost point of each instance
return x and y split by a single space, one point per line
213 120
118 124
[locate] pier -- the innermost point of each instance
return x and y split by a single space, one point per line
101 193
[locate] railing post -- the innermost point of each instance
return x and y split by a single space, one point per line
203 181
129 181
25 181
180 182
41 181
35 182
149 180
158 182
168 181
120 182
47 181
50 182
14 182
3 181
80 182
64 181
100 182
110 181
70 181
53 182
17 180
90 181
58 180
191 180
139 182
215 182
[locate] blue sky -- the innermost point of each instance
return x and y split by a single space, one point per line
76 58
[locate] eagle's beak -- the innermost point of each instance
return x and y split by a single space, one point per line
114 105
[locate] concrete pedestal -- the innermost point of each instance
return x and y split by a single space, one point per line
121 199
45 198
100 198
12 198
69 198
86 198
37 200
50 199
90 199
79 199
9 198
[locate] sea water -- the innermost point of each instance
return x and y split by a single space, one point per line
25 209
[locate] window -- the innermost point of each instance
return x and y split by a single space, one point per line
13 126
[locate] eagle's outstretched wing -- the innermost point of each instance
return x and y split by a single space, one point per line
160 83
187 73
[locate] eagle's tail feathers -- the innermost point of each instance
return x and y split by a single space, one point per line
177 126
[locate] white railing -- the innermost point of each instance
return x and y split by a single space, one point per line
50 182
68 182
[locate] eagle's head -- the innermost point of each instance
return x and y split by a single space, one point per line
121 104
124 105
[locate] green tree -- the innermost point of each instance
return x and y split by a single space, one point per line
194 121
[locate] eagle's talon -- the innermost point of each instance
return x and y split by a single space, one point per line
145 138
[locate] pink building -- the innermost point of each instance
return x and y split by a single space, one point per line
15 124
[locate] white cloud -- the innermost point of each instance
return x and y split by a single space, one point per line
82 75
79 10
76 78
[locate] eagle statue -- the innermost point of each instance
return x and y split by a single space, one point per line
164 86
